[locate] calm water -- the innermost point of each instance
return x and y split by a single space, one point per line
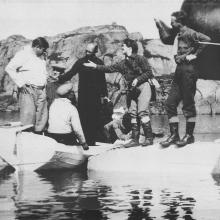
94 195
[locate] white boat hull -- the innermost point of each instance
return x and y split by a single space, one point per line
193 159
28 151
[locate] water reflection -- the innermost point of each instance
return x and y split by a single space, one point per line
74 195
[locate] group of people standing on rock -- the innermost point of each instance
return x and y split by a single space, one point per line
71 125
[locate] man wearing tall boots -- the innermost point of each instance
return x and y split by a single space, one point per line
183 87
137 73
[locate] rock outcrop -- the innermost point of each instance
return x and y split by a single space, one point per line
66 48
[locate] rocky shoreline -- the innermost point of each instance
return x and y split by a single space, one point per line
66 48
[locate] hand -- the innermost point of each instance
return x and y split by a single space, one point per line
15 92
134 83
179 59
90 64
156 20
85 146
155 83
191 57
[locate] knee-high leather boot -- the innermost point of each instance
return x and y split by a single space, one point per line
188 138
134 136
148 134
174 135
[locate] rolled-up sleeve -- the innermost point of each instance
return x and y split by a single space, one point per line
197 36
13 68
146 70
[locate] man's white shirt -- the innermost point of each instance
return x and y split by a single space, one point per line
26 68
63 117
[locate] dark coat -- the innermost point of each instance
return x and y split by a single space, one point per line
92 86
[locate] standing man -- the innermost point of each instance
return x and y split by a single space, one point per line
28 71
91 91
183 87
137 72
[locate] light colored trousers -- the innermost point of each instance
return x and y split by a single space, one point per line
33 107
140 106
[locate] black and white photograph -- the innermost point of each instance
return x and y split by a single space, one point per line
109 109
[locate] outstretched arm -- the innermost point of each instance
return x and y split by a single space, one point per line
118 67
69 74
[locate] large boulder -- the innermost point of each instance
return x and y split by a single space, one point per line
8 48
159 56
204 16
208 97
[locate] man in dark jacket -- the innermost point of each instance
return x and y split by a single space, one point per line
91 91
137 72
183 87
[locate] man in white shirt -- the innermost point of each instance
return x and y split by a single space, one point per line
64 123
28 70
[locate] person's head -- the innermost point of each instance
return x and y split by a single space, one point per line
91 49
178 19
40 46
108 59
129 47
66 91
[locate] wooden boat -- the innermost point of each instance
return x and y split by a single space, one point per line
28 151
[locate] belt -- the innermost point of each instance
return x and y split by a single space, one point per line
35 87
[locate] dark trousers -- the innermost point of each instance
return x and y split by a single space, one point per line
183 88
67 139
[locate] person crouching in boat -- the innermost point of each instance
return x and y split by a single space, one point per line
64 124
118 128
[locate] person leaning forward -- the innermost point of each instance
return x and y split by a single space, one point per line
137 72
64 124
28 70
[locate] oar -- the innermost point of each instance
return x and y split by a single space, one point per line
208 43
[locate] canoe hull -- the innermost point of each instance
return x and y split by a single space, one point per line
28 151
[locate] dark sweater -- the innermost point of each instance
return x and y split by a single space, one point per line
132 67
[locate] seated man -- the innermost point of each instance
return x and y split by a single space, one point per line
64 122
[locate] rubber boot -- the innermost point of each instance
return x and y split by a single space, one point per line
188 138
134 142
148 134
174 135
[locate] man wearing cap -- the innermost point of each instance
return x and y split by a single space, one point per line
28 70
64 123
92 90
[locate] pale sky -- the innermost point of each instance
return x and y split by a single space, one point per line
33 18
